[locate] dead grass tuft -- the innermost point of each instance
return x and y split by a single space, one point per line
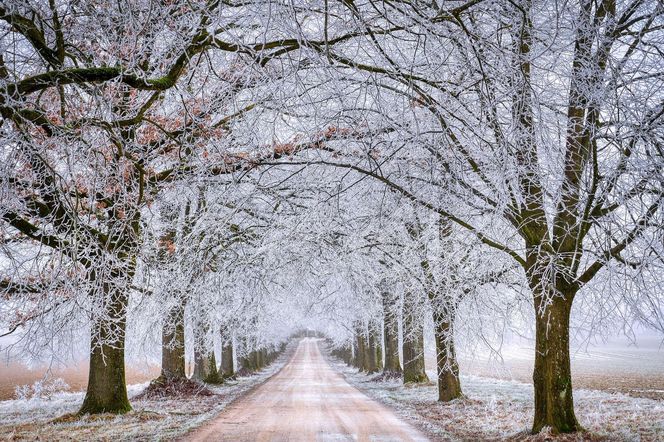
163 387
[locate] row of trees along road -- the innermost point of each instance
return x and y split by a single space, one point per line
168 156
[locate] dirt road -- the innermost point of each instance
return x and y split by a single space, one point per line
306 401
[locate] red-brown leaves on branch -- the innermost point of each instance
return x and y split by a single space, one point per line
337 132
283 149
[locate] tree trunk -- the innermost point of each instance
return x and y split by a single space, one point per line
205 368
172 343
257 357
361 355
353 353
355 358
245 366
247 361
348 354
391 337
375 352
342 353
449 384
205 364
227 370
107 389
552 377
413 345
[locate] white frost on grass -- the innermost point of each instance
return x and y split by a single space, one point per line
20 411
502 410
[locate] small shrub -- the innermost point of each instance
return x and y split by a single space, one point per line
42 389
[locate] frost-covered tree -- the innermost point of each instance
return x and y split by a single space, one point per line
541 120
104 105
84 152
252 167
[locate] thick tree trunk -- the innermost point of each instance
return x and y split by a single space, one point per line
247 360
412 345
379 346
107 389
245 365
227 370
205 364
257 357
391 337
348 354
375 352
361 353
343 353
353 354
449 384
552 377
172 344
354 362
205 368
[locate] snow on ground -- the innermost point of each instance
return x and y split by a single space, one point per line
50 419
502 410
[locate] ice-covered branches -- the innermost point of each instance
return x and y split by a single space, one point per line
240 170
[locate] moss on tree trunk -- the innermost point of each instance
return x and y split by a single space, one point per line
257 356
552 377
375 353
361 351
413 345
391 337
205 364
247 360
227 369
205 367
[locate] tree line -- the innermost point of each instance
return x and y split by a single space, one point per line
224 167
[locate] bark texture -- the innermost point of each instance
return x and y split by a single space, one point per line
205 364
413 345
172 344
247 359
107 390
552 377
556 249
375 352
449 384
391 336
227 369
361 350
